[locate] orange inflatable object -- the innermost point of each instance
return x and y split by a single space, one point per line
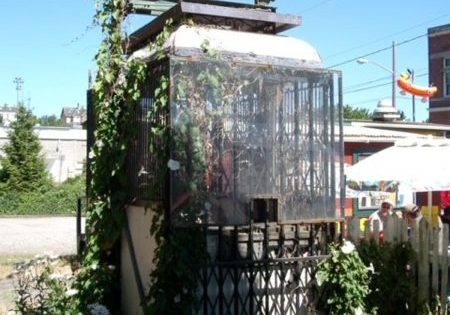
407 86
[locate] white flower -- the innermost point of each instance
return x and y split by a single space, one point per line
71 292
319 279
348 247
371 268
91 154
173 165
358 311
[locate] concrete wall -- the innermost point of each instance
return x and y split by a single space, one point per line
139 220
63 149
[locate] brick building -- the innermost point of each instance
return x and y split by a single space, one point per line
439 73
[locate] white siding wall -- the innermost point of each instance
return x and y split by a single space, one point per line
63 149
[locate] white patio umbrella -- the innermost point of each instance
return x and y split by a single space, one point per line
419 164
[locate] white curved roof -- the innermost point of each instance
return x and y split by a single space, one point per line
242 46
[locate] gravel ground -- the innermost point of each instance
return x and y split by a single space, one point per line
38 236
31 236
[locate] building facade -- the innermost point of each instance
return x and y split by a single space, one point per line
8 114
63 149
439 73
73 116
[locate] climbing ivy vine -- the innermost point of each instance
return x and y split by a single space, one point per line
116 92
180 252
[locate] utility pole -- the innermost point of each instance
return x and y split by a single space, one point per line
394 84
18 82
413 98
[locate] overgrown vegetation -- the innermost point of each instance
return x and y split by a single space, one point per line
51 120
116 90
371 279
56 200
344 281
392 284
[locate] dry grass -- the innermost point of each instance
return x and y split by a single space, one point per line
7 264
7 267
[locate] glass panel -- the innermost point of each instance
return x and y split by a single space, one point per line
242 133
447 62
447 83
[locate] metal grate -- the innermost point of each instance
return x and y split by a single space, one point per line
258 132
271 271
145 172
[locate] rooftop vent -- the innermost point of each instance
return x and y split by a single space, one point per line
385 112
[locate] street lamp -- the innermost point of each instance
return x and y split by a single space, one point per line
18 82
362 61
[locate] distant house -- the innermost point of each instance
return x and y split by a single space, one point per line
74 116
8 114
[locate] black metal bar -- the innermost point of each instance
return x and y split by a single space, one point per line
78 228
135 265
220 280
205 279
341 145
328 154
311 136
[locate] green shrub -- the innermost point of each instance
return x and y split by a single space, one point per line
392 287
343 281
56 200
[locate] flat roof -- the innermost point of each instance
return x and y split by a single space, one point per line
188 41
438 29
219 13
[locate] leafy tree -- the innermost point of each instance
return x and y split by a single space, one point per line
51 120
23 166
356 113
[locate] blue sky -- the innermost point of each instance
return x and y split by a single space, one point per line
51 45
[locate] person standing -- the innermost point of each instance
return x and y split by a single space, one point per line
412 213
380 215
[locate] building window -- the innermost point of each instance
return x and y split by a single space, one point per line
447 77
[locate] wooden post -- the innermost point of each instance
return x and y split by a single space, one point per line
354 230
444 265
389 229
434 233
423 262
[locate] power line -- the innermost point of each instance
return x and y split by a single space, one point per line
359 103
378 85
368 82
388 36
314 6
354 86
377 51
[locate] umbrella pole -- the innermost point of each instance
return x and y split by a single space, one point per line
430 205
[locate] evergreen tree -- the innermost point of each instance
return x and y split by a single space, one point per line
51 120
23 166
356 113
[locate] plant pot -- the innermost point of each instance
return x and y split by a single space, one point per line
243 245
